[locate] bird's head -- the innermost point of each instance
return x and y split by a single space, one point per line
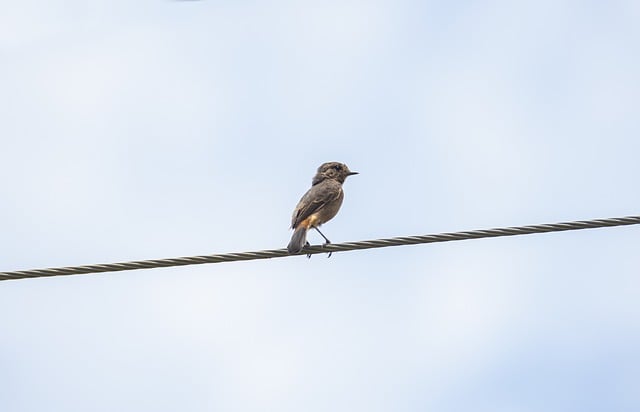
332 170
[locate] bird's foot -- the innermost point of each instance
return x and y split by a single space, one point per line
328 242
308 254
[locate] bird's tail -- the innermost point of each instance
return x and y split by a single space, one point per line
298 239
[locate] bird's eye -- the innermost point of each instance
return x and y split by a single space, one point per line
337 167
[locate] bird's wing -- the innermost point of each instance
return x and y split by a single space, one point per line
315 199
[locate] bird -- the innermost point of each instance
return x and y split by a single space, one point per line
319 205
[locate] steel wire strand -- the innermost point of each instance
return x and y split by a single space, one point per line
311 250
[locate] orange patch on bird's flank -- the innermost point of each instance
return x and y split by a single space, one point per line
311 221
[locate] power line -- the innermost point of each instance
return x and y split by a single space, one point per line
334 247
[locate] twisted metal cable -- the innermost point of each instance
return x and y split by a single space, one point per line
311 250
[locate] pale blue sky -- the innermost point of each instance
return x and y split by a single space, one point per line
153 129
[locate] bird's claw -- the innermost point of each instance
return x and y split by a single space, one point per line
308 254
328 242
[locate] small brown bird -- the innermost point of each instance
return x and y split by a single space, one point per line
320 204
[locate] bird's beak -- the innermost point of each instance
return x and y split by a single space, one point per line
352 173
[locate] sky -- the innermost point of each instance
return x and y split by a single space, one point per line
157 129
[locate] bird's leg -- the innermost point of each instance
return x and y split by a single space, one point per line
327 241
